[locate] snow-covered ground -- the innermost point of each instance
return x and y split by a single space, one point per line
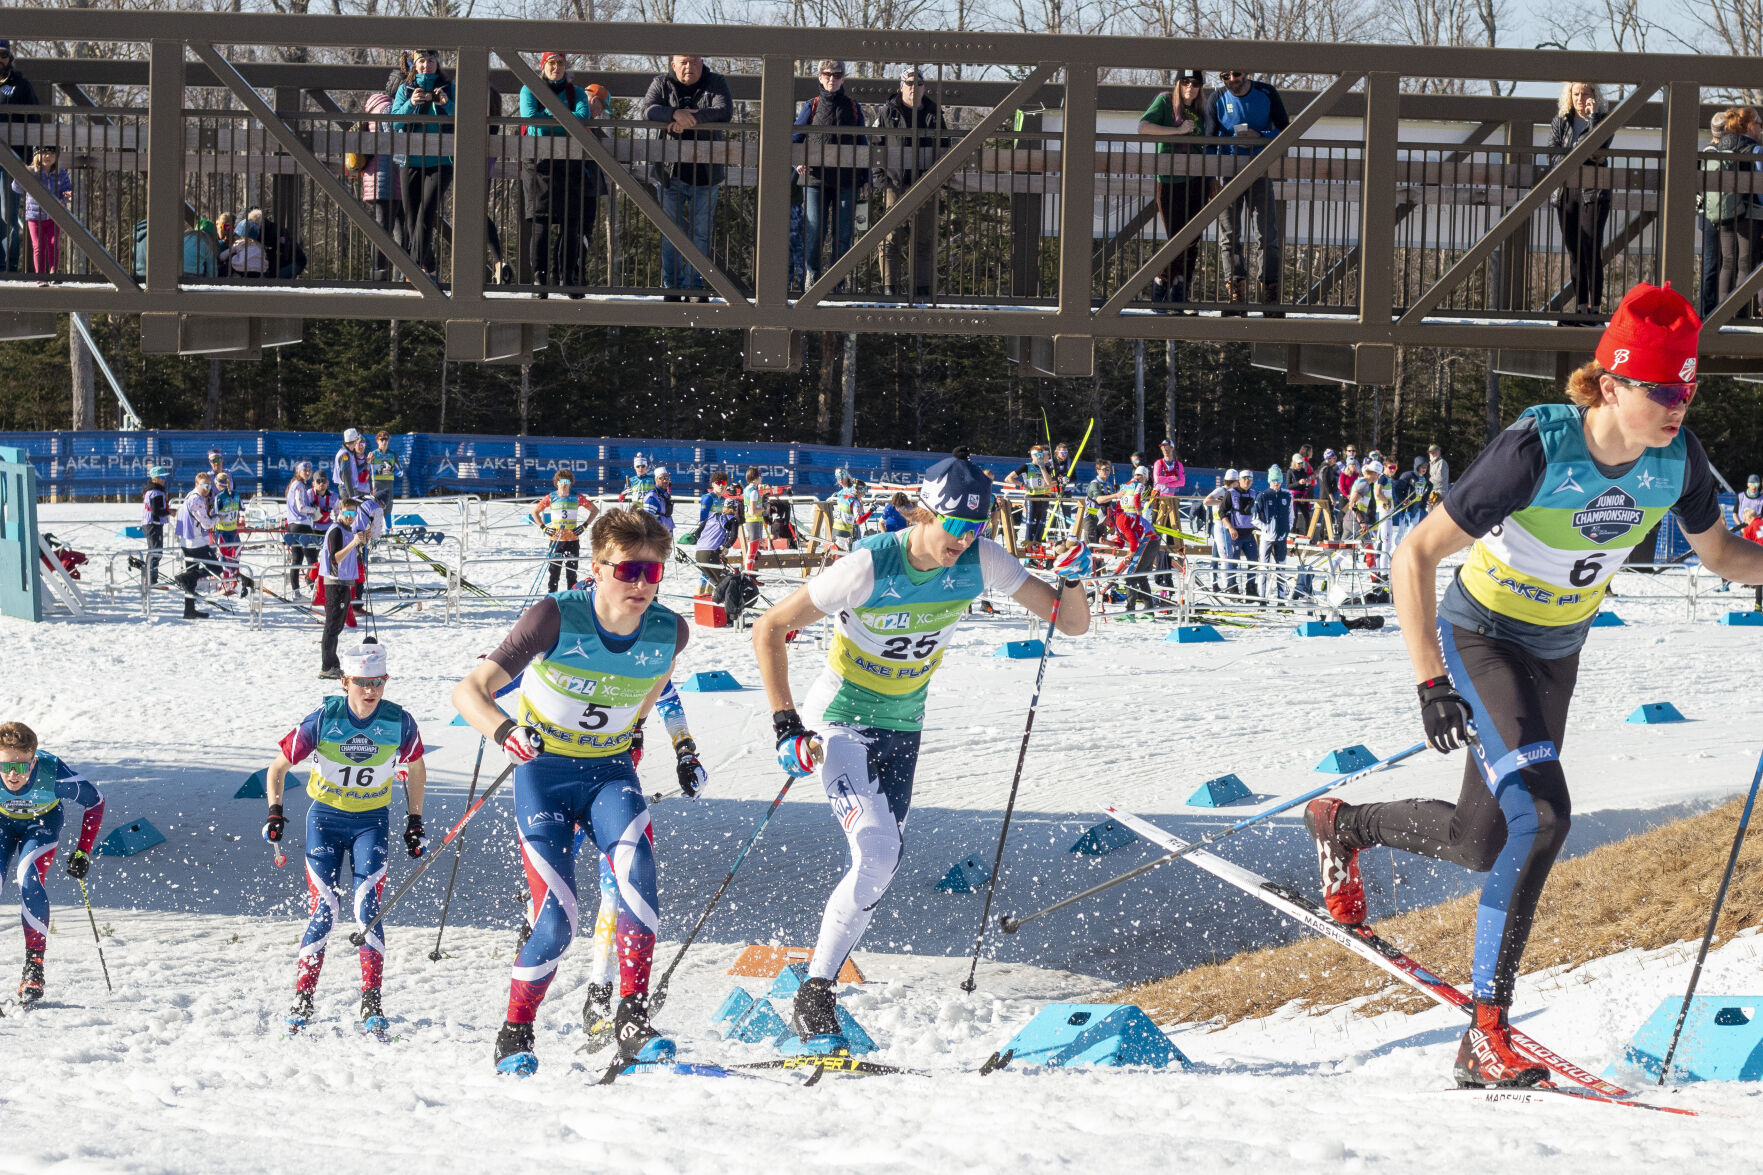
183 1068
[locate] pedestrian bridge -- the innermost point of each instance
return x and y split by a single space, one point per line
1413 211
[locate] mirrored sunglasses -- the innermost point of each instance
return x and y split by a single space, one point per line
370 682
960 527
18 768
637 570
1668 395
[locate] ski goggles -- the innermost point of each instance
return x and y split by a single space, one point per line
370 682
1666 395
23 768
960 527
637 571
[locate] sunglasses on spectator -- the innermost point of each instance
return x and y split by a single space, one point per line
1665 395
912 81
960 527
369 682
827 73
1232 73
637 571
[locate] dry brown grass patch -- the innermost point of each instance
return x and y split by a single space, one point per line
1647 891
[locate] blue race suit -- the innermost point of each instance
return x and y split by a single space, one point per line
30 828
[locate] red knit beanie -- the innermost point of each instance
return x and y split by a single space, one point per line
1651 337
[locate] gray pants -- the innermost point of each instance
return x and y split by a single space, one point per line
1263 216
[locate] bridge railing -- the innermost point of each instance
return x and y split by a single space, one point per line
1403 219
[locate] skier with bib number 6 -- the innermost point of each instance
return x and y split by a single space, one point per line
1549 511
896 599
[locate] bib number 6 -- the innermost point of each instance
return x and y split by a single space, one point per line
1586 571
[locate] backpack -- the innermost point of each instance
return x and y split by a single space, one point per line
736 593
1718 206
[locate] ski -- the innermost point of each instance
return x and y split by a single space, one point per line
439 568
677 1069
1362 941
1544 1094
824 1063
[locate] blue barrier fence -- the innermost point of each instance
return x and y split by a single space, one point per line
107 464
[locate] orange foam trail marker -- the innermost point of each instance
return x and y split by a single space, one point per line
764 962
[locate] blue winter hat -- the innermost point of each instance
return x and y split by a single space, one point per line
957 488
1275 475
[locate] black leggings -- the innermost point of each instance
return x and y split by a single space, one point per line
564 554
298 554
1513 830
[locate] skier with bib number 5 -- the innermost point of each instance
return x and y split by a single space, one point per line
591 664
356 743
1550 510
896 600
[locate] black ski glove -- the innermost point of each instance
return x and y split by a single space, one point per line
79 865
414 840
272 828
692 776
636 744
1445 715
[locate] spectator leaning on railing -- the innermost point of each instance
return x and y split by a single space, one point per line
1180 114
1250 111
15 90
692 99
1737 216
899 161
45 233
560 193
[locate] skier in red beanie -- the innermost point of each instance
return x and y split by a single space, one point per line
1550 510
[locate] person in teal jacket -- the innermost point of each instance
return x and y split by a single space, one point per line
424 179
560 192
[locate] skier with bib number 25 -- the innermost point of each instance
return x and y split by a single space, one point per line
1550 510
895 601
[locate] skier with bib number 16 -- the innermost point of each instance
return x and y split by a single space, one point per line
1549 511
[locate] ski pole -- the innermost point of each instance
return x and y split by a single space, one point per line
659 994
1011 925
360 936
95 939
1732 861
447 903
1028 727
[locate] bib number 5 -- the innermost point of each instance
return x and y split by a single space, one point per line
594 717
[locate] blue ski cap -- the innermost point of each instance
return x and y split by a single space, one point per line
957 488
1275 475
159 471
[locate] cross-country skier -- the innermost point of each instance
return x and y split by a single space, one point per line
351 470
1274 519
195 535
357 743
227 508
753 515
1550 510
385 466
35 782
563 515
155 513
895 601
591 664
659 500
1039 482
339 571
638 483
301 517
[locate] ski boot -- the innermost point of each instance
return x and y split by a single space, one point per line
514 1050
30 987
638 1042
190 612
815 1018
372 1019
1486 1057
1343 890
301 1012
597 1015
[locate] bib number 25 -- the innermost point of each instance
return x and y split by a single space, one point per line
901 648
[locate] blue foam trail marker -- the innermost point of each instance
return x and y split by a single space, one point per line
1722 1039
1102 839
1021 650
459 720
134 837
965 876
734 1005
790 977
1655 713
757 1022
409 520
253 788
1346 759
131 532
1193 634
1743 619
1216 793
1608 620
711 681
1093 1034
1321 628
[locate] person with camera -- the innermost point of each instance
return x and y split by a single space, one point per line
15 90
424 179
